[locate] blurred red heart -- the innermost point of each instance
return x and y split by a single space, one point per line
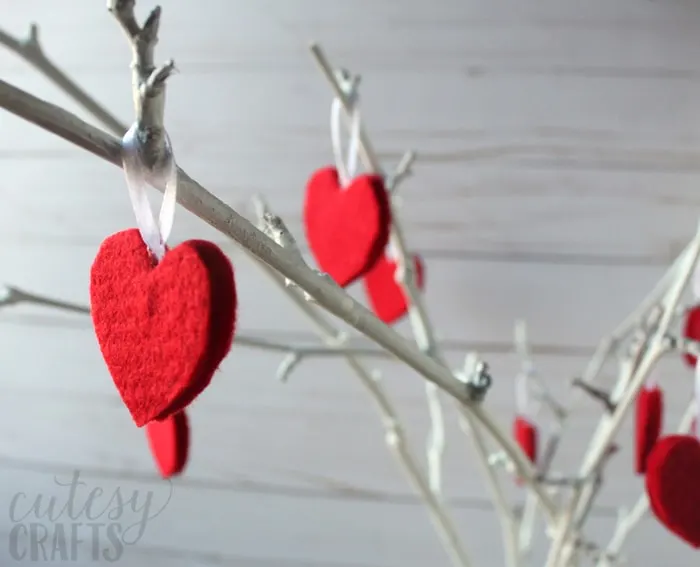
164 328
169 441
673 485
648 420
386 297
526 436
691 330
347 228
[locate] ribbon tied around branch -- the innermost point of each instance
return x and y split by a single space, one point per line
155 232
346 165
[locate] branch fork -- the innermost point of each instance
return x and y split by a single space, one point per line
148 81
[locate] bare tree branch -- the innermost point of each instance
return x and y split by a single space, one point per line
148 81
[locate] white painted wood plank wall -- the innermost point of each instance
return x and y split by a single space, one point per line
560 153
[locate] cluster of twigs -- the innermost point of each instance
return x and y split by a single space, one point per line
637 344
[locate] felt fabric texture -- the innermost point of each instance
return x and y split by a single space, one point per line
673 485
647 427
691 330
169 441
386 297
347 228
163 328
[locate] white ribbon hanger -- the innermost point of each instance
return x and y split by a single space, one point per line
155 233
347 167
523 405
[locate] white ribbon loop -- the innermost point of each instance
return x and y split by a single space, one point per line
391 252
347 167
138 177
522 391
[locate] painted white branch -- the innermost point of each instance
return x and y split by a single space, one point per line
509 524
10 295
423 330
195 198
395 437
31 51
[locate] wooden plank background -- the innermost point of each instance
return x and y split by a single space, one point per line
559 157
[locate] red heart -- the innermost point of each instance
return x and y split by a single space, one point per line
386 297
169 441
164 328
347 228
525 434
648 419
691 331
673 485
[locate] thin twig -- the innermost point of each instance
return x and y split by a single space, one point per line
10 295
31 51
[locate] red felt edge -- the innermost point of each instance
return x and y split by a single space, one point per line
175 428
648 423
384 205
222 317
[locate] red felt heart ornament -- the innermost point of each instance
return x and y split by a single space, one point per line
648 420
169 441
691 330
673 485
526 436
386 297
163 328
346 228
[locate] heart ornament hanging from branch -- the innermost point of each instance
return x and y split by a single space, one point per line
347 227
525 431
347 218
164 318
648 423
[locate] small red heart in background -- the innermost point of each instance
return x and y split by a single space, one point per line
691 330
526 436
648 420
163 329
673 485
386 297
347 228
169 441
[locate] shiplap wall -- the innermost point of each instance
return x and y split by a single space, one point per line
559 159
